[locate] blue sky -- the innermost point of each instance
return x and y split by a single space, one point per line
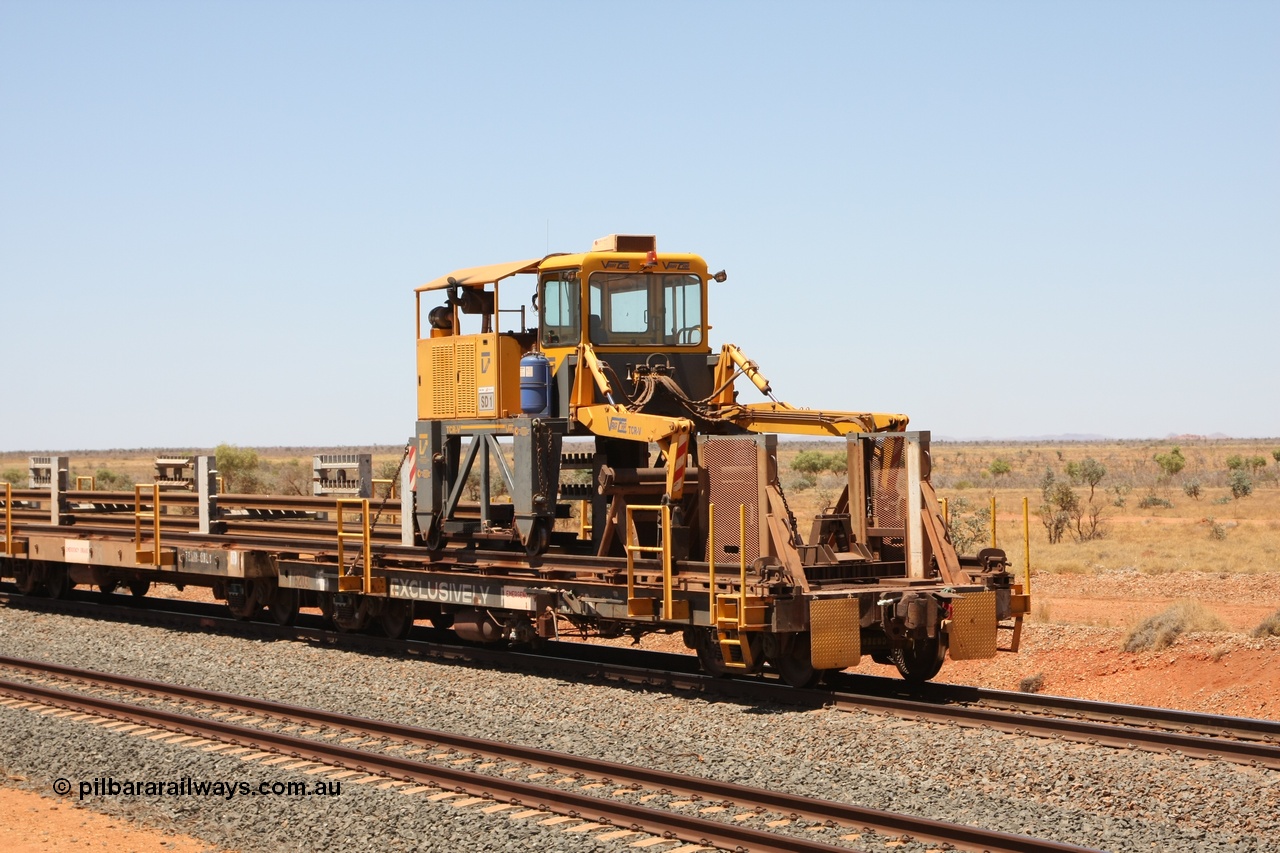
1002 219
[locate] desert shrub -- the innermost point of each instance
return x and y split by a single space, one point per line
1172 462
104 479
1235 462
1222 501
999 467
1163 629
291 477
13 476
1088 471
1153 501
809 462
1032 683
967 526
1216 531
815 462
1241 484
1191 489
1270 627
239 468
798 482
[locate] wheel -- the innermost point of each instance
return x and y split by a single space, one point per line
108 587
139 588
326 607
539 539
27 578
352 619
434 538
247 607
396 619
283 605
57 581
441 620
792 661
710 656
918 662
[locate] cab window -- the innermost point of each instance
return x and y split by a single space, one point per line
558 305
632 309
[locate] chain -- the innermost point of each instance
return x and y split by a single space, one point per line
541 455
791 516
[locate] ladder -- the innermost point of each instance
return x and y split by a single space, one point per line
734 615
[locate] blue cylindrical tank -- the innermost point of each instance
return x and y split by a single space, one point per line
535 385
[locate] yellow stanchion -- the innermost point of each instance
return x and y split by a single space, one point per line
1026 542
993 521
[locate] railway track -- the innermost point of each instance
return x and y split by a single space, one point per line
1246 741
606 794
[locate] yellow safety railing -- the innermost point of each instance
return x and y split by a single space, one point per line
363 583
993 521
8 519
154 556
81 480
719 618
671 609
389 483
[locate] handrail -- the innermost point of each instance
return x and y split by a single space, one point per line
379 481
8 518
154 517
362 536
742 564
664 549
711 563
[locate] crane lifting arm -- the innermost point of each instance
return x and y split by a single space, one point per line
780 417
786 419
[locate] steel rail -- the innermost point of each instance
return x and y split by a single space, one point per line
1110 734
1241 728
658 821
679 672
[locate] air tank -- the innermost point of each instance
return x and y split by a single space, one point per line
535 385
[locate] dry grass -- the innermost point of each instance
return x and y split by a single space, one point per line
1163 629
1270 627
1214 533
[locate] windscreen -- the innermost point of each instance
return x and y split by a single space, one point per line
632 309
